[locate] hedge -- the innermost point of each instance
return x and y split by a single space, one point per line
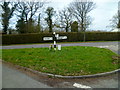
72 36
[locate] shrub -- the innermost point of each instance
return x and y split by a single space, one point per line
72 37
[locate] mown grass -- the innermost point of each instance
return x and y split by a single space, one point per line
72 60
0 53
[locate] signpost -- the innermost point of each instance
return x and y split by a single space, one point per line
55 38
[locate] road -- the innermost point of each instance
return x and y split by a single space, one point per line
63 44
0 75
12 78
22 80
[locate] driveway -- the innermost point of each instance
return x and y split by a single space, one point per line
20 79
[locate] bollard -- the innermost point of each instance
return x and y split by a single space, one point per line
59 47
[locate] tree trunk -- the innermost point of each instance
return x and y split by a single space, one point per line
5 29
50 26
66 28
84 37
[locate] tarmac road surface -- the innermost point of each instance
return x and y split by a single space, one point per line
12 78
0 75
63 44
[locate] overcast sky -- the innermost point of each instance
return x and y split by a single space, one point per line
104 11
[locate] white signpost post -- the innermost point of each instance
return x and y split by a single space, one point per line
55 38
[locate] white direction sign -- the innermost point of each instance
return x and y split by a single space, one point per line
62 37
51 38
47 38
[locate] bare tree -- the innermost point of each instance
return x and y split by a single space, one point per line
118 26
26 11
22 12
114 22
80 10
34 6
29 8
65 19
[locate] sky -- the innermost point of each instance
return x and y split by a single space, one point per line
101 15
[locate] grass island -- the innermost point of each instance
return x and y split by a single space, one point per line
70 61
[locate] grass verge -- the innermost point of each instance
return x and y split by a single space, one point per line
72 60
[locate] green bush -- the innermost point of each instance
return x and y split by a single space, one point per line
102 36
72 37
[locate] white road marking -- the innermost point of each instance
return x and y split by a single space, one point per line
103 46
108 46
80 86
